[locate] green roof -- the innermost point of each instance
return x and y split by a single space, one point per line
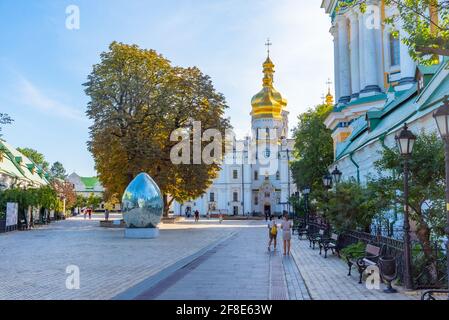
405 107
89 182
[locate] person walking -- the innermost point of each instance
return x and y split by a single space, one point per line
272 232
84 212
286 227
89 211
197 216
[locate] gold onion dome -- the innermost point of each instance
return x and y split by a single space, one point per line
268 103
329 98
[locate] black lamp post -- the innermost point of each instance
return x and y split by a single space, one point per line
441 116
406 140
327 181
336 174
306 192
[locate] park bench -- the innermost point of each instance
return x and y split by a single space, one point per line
315 238
370 258
434 294
303 231
331 243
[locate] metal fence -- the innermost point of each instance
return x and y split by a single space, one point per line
427 273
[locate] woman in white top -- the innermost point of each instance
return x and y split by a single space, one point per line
286 227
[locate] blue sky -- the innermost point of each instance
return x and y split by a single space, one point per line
43 64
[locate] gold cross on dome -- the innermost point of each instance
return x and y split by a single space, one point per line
268 44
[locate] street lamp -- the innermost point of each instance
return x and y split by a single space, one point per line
441 116
306 192
405 141
336 175
327 181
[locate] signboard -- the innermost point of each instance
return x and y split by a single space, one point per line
12 211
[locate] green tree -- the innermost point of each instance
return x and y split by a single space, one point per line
35 156
93 201
57 171
313 148
426 188
137 99
426 23
350 206
4 119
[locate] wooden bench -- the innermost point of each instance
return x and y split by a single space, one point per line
315 238
370 258
304 231
331 243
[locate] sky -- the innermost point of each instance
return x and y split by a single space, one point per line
43 64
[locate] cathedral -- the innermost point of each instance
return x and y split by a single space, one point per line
255 178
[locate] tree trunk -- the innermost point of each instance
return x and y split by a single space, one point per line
166 206
423 234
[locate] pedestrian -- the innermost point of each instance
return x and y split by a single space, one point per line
220 218
89 211
197 216
272 232
286 227
84 212
106 214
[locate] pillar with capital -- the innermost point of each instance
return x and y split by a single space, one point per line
354 50
408 66
334 32
370 50
344 59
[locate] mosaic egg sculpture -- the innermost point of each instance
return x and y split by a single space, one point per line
142 204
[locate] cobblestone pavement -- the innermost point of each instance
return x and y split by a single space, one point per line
33 263
327 279
241 268
226 261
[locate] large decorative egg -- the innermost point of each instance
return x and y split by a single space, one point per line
142 203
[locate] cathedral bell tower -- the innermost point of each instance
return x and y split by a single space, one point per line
268 107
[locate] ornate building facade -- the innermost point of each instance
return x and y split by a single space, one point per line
255 177
378 87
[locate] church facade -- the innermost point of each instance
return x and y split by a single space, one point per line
255 178
378 87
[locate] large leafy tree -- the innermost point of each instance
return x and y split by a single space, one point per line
313 148
35 156
426 189
137 99
4 119
426 23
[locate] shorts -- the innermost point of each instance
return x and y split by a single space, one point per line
273 236
287 235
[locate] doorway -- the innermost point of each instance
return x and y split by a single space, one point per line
267 210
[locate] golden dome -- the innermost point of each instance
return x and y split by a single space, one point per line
329 98
268 103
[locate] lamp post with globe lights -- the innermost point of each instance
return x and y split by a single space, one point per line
405 141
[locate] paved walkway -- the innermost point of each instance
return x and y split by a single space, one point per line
240 268
205 260
33 263
327 279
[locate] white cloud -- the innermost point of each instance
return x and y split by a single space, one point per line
31 96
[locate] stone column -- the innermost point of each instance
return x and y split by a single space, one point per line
408 66
354 49
343 55
361 52
334 32
371 63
